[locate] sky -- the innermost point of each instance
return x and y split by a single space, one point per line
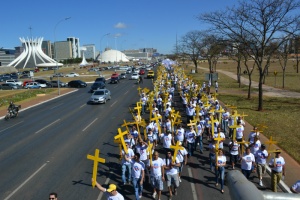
118 24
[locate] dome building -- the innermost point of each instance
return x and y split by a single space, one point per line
113 56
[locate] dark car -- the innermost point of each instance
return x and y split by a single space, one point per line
9 86
42 81
100 79
77 84
97 85
25 76
4 78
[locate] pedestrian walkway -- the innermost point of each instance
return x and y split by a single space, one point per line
267 90
292 166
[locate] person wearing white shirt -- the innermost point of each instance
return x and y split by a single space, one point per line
222 135
239 132
167 139
198 141
126 164
248 162
234 148
138 174
277 166
225 117
190 137
134 133
144 102
253 134
190 112
157 174
255 145
167 111
261 159
171 170
296 187
111 192
182 157
159 102
179 133
220 168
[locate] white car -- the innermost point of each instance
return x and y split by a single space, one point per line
135 76
15 82
72 74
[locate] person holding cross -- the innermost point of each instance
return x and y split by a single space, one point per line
261 158
277 165
182 157
111 192
157 174
234 149
126 164
220 168
248 163
171 173
190 137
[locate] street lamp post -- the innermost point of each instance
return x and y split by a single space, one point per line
101 40
55 53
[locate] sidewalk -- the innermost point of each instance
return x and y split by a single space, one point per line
292 167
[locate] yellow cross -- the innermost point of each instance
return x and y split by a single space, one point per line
138 108
221 110
121 137
212 122
243 115
235 115
96 159
234 130
197 111
193 123
176 148
139 89
270 143
156 118
118 141
132 113
242 145
149 150
215 96
126 125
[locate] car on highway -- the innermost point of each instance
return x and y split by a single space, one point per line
115 78
72 74
25 76
33 85
150 74
58 75
43 83
15 82
123 76
9 86
56 83
100 96
97 85
128 71
142 72
77 84
100 79
134 76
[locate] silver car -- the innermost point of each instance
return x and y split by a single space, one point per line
100 96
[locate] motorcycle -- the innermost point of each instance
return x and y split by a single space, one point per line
12 112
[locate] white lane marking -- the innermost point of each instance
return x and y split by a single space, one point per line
101 193
126 92
82 105
89 124
192 184
11 126
113 103
28 179
116 86
56 106
47 126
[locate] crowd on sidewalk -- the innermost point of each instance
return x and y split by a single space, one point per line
168 142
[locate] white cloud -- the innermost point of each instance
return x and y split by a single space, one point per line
120 25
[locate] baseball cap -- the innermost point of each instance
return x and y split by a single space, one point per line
111 188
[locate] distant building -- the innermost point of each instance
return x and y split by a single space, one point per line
75 47
140 54
62 50
89 51
6 56
47 48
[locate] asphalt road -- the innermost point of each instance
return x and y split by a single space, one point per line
44 150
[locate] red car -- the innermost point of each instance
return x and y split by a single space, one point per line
142 72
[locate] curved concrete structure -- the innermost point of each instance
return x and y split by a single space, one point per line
113 56
33 56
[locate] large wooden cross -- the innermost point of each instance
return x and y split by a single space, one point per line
270 143
138 108
121 137
149 151
118 141
96 159
176 148
139 89
193 123
234 130
242 145
156 118
221 111
126 125
218 139
197 109
212 122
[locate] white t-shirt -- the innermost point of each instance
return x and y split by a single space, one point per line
156 167
222 135
167 140
261 156
296 186
252 136
173 170
180 135
137 168
239 132
142 150
255 147
134 133
279 164
234 149
190 136
199 127
130 154
247 161
221 160
225 116
117 197
181 154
